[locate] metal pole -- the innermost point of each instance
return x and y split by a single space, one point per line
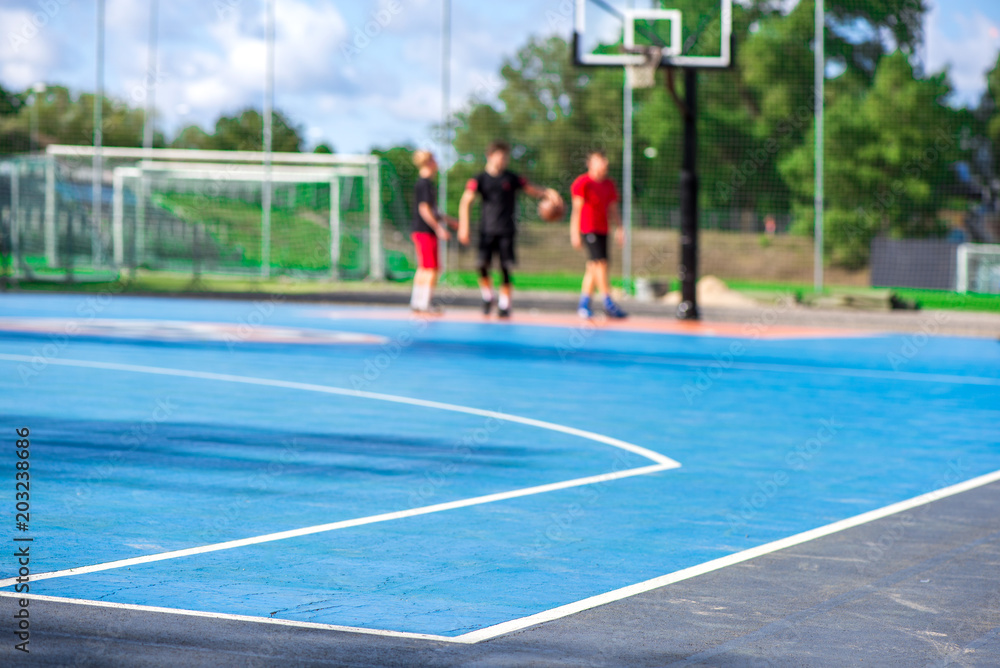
376 269
335 228
15 218
265 240
820 55
33 132
139 229
98 160
688 308
627 183
152 77
445 117
51 242
118 218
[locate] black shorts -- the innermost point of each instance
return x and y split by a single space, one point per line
597 246
501 245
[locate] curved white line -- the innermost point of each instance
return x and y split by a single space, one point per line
342 524
656 457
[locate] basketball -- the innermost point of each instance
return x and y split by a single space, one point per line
550 210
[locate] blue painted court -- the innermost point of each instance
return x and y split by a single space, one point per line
358 467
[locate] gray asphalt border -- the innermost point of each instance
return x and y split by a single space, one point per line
921 588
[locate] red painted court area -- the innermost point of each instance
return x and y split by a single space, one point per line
761 326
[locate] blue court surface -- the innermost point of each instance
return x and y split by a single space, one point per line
363 468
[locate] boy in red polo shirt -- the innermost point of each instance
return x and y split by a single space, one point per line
595 203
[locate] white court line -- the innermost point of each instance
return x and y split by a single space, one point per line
662 463
344 524
309 387
618 594
717 564
560 612
235 618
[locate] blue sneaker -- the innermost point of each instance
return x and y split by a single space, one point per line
614 310
584 309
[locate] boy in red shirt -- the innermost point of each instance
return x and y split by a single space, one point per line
595 202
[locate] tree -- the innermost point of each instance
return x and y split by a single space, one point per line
243 131
192 137
888 158
993 120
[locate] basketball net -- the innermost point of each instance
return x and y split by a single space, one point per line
644 75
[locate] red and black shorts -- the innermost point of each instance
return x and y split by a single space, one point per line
427 249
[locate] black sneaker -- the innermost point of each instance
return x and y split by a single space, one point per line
487 306
503 312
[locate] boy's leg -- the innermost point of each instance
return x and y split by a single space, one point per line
506 290
485 282
604 287
600 279
424 279
586 290
420 299
507 261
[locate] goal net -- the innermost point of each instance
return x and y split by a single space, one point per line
195 212
979 268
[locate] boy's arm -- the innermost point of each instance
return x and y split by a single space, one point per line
464 209
431 218
539 193
574 222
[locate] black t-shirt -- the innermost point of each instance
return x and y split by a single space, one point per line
499 205
425 194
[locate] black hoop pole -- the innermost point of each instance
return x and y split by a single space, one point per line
688 308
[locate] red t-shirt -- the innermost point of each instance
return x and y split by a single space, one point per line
597 197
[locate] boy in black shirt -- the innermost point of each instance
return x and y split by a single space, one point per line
498 188
429 225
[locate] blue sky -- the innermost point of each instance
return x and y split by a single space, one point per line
385 93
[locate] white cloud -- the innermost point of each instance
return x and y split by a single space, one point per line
226 71
26 50
967 45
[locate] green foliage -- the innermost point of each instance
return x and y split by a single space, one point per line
891 138
9 102
67 119
297 242
888 158
242 132
992 101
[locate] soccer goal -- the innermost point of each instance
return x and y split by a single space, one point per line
978 268
186 211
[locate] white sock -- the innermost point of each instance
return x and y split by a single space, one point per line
420 300
504 301
487 293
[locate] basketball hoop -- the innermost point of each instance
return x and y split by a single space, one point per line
644 74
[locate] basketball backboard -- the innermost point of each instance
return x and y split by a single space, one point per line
691 33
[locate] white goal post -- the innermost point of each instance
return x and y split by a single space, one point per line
978 269
228 166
